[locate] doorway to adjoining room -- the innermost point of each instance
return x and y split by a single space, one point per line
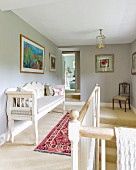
69 69
71 74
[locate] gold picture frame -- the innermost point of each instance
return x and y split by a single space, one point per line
52 62
104 63
133 68
31 56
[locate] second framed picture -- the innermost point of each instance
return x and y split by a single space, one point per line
52 62
104 63
133 69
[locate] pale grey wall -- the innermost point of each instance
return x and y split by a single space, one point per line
78 70
11 26
133 77
107 81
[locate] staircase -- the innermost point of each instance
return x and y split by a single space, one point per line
115 118
72 95
109 119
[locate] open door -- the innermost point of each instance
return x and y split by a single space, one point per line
71 70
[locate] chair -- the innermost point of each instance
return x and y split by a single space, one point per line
124 94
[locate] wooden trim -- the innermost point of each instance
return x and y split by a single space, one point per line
98 133
97 155
21 37
133 73
84 109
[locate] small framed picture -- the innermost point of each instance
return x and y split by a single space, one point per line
104 63
133 68
52 62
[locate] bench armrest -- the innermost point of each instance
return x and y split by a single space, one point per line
21 101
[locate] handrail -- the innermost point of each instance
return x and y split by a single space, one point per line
98 133
84 109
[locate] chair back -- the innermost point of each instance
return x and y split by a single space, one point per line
124 89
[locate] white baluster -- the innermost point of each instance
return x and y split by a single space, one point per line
73 133
103 160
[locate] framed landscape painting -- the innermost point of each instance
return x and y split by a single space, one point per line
52 62
104 63
31 56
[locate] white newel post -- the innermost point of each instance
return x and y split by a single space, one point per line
73 133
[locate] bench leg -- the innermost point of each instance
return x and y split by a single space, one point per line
129 103
35 127
120 103
125 106
113 104
10 129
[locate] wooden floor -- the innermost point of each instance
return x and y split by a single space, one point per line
72 96
21 154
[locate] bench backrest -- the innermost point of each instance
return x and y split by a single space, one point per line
38 87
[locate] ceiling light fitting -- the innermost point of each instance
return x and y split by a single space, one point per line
100 40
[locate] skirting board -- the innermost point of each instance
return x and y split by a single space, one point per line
109 105
75 103
116 105
3 138
17 129
102 104
133 109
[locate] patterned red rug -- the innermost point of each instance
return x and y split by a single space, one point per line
57 141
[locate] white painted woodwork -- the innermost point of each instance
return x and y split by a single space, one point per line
103 155
90 133
98 133
73 130
18 109
87 117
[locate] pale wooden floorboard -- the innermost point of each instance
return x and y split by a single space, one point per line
20 155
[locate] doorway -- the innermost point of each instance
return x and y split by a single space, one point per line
69 71
71 74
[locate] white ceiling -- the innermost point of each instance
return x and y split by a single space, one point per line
76 22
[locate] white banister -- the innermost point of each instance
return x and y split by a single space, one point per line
88 148
73 133
97 105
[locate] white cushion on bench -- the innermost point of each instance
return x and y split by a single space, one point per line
47 101
22 112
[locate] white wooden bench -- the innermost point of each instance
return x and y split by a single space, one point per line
30 103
